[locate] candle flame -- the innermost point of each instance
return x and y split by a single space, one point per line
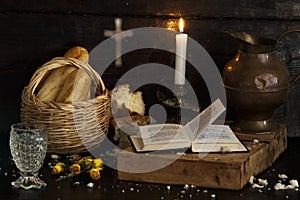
181 25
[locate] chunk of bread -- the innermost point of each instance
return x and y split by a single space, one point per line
122 101
136 103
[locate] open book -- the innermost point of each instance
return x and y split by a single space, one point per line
199 134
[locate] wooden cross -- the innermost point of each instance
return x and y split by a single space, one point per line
118 39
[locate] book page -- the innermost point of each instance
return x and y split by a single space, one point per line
162 133
196 126
217 133
139 147
218 138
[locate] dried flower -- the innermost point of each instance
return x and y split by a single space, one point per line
75 169
58 168
86 161
76 165
98 163
95 173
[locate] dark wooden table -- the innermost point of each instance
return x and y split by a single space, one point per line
109 187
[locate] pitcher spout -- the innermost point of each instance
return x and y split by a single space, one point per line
252 44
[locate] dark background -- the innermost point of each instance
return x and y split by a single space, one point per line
33 32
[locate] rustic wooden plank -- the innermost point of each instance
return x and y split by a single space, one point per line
226 171
267 9
31 39
293 104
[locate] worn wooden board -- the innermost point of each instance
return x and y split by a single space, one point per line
226 171
287 9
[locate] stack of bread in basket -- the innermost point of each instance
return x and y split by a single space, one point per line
68 97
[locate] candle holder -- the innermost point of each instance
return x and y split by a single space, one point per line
178 104
180 92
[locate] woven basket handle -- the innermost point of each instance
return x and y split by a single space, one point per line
62 61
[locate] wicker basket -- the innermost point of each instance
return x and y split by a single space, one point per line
72 128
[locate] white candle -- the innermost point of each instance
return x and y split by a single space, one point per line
181 42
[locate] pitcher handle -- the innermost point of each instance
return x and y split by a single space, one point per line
295 80
281 35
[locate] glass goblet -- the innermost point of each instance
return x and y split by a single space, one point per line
28 145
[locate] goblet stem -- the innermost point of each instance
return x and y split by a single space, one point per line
28 181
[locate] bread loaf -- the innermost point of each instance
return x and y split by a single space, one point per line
54 83
50 87
79 53
76 87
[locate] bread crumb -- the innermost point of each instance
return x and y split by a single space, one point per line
76 183
294 183
282 176
279 186
54 156
289 187
212 195
255 185
255 141
186 186
251 180
90 185
168 187
262 182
